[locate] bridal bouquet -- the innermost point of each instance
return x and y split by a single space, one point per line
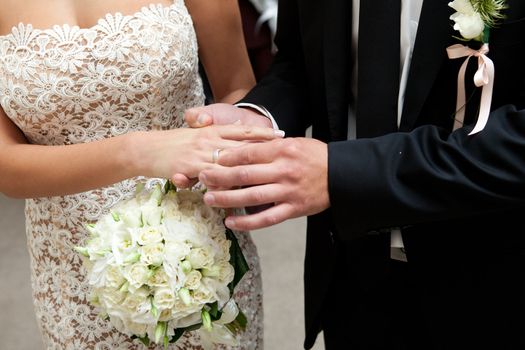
163 263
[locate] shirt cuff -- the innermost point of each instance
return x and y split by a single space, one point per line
261 110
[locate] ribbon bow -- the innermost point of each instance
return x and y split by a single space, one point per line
484 77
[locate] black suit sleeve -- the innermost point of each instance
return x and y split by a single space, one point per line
282 91
428 175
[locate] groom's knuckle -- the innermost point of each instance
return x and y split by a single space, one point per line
291 148
257 196
246 157
247 130
289 172
270 220
244 176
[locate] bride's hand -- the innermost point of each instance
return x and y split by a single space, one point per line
189 151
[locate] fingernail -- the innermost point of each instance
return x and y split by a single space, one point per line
203 119
229 222
209 199
279 133
237 122
202 178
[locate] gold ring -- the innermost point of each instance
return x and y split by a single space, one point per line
215 155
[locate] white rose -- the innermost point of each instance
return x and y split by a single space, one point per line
462 6
149 235
137 274
203 295
114 277
166 315
223 271
135 328
97 247
220 290
224 249
200 257
164 299
175 251
159 278
123 247
152 214
132 217
182 310
152 254
110 298
134 301
470 26
182 231
193 280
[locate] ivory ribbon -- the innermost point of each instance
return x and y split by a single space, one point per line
484 77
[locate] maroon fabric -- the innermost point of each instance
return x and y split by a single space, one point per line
259 43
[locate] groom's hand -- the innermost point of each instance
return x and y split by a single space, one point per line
218 114
291 173
223 113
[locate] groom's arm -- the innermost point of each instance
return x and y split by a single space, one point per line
428 175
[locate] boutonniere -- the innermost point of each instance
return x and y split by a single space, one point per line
473 20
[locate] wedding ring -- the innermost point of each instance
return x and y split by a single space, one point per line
215 155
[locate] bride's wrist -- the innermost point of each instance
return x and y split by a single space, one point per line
131 154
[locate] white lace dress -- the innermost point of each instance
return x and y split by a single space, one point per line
67 85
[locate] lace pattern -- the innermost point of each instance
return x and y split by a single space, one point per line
68 85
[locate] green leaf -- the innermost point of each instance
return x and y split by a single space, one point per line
144 340
237 260
179 332
214 311
169 186
239 324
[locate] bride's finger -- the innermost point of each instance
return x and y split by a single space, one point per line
181 181
248 133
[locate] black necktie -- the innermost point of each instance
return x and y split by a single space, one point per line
378 67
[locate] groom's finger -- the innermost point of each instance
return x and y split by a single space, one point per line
248 133
255 153
246 175
269 217
245 197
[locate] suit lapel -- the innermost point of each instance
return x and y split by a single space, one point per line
336 42
435 33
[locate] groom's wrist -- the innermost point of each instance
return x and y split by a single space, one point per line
261 110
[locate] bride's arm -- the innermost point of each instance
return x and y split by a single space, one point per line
222 48
28 170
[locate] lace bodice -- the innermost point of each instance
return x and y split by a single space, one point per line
68 85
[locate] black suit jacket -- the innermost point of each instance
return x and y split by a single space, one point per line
459 199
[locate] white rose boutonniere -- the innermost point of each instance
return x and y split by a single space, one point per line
473 20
